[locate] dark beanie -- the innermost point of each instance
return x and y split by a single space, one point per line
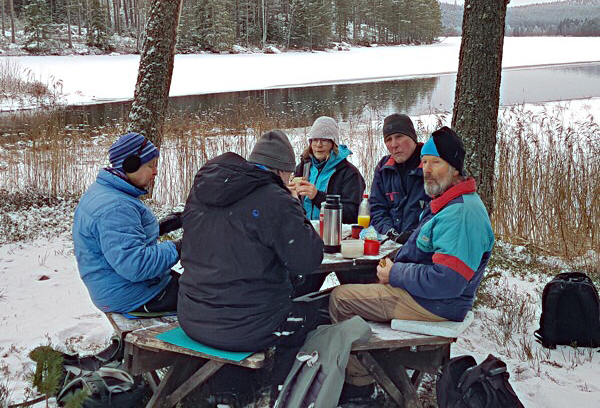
446 144
399 123
275 151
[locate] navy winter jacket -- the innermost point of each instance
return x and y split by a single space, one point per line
115 236
442 263
397 195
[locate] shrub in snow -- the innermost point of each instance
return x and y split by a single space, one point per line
238 49
270 49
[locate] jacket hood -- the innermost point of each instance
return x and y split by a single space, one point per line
228 178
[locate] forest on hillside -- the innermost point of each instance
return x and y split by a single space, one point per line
566 18
95 26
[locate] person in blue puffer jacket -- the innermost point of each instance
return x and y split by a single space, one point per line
115 235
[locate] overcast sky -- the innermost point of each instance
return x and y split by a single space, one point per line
512 3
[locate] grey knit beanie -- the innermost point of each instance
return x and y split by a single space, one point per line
325 128
275 151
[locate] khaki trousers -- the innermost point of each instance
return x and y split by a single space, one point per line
375 302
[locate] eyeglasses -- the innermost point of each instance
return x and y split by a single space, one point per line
323 141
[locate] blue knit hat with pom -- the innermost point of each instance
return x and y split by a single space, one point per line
130 144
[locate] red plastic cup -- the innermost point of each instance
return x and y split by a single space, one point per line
372 247
356 229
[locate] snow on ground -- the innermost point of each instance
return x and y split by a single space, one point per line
88 79
58 309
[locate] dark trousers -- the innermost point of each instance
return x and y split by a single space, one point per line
166 300
306 315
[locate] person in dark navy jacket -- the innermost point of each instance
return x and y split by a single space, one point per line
397 195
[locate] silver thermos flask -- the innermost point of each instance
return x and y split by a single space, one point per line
332 224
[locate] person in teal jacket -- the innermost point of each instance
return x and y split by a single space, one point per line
436 274
115 234
326 170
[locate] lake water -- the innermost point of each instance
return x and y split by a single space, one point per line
300 106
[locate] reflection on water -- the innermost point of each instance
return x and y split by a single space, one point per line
298 107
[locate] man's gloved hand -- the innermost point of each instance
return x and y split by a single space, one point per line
170 223
178 243
400 238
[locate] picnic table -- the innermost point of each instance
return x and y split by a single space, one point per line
386 355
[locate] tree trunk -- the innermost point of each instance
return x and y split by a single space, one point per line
3 29
156 68
12 22
79 19
68 6
108 18
477 98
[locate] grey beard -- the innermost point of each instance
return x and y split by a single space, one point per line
439 188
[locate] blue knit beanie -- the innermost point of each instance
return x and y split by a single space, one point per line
128 145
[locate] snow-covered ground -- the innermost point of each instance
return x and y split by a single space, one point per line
87 79
42 298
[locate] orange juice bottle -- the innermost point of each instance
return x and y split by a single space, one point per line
364 217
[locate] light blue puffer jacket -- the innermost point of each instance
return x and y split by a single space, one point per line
115 236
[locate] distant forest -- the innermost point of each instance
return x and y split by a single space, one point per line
567 18
49 26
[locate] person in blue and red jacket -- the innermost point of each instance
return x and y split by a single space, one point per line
436 273
397 194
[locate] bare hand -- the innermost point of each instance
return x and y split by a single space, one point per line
383 270
292 187
307 189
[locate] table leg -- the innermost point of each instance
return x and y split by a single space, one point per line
397 384
183 376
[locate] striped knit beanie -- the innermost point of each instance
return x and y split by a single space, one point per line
128 145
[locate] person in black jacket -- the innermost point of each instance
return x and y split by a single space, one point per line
245 239
327 171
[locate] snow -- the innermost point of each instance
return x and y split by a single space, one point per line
211 73
59 310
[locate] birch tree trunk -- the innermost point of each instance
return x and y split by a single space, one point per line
477 98
156 68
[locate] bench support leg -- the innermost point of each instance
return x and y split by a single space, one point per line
183 376
400 388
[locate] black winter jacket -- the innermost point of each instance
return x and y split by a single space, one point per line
346 182
244 237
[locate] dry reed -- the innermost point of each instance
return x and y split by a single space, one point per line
547 179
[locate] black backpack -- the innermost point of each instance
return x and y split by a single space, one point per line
570 312
462 383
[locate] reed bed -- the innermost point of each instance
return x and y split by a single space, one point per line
20 88
547 180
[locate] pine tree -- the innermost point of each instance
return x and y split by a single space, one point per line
37 18
97 35
219 33
48 370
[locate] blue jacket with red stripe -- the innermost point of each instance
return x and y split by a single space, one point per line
442 263
397 195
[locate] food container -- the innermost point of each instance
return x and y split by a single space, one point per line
352 248
356 229
371 247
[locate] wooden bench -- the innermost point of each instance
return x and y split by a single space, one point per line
386 356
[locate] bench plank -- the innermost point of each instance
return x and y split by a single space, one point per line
146 338
384 337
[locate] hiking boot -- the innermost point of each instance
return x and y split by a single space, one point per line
355 394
